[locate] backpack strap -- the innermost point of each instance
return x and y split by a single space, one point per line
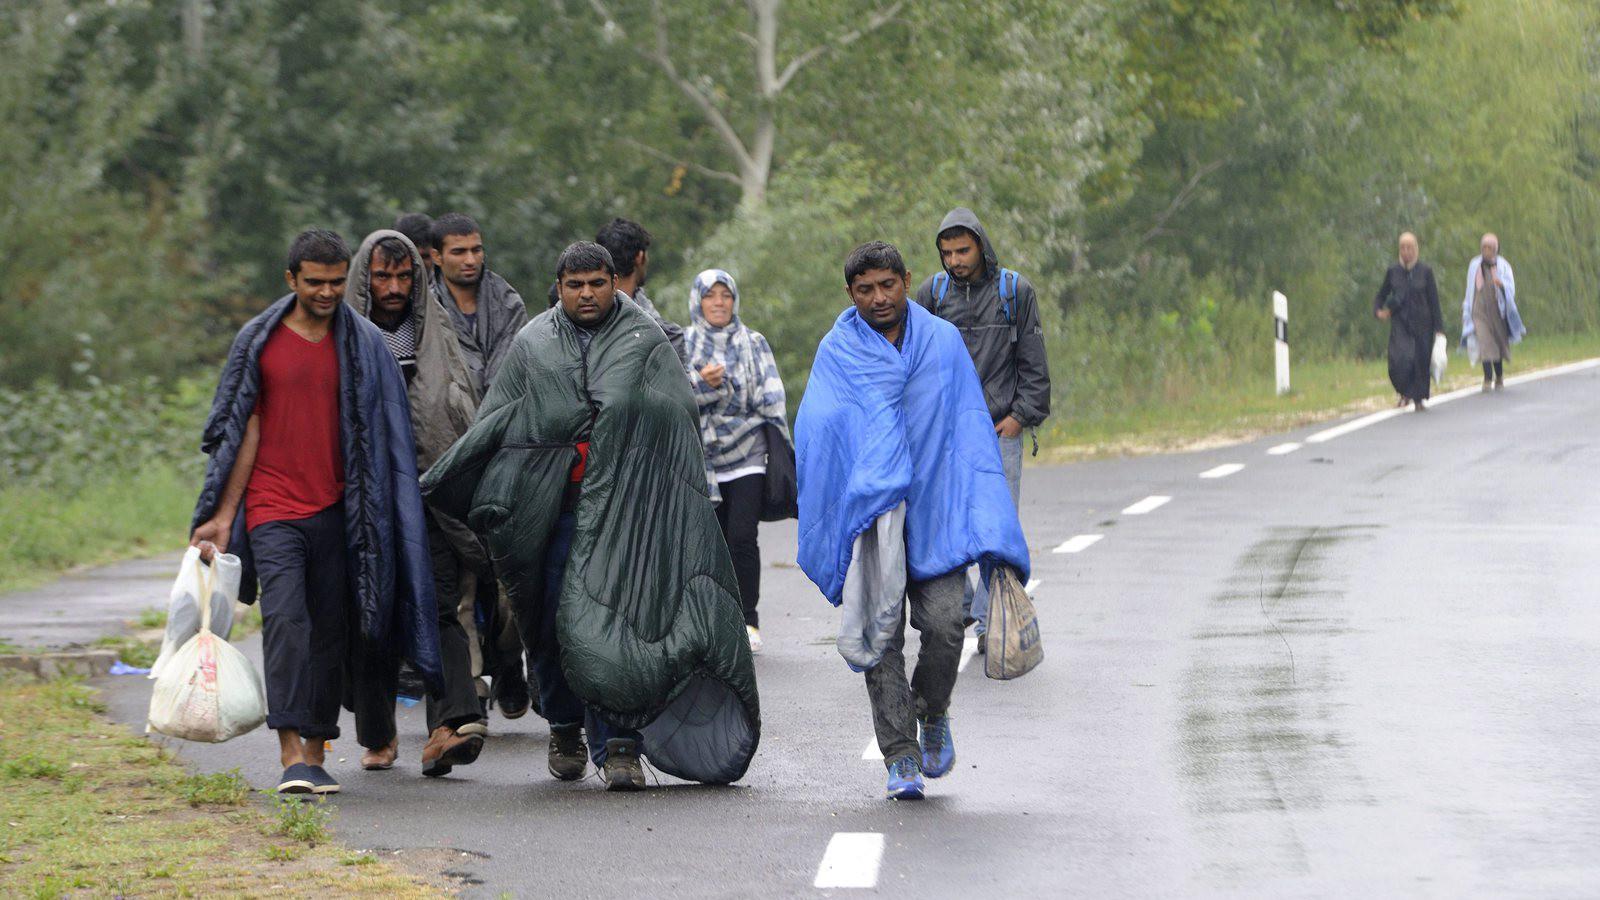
941 284
1008 295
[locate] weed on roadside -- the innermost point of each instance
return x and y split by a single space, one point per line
220 789
302 820
33 766
280 853
132 651
154 617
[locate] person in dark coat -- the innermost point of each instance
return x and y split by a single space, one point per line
312 482
1409 301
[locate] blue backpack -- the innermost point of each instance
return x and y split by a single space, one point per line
1008 293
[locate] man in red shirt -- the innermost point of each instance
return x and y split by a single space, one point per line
306 385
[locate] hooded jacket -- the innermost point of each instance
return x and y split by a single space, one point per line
1009 355
443 394
484 343
386 540
649 622
671 329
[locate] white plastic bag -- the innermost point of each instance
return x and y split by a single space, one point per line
208 690
218 581
1441 359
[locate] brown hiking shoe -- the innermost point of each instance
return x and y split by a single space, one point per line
381 758
569 755
447 749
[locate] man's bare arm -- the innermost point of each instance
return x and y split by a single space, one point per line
218 531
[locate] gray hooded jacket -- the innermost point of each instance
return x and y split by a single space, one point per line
501 314
1009 355
443 394
671 329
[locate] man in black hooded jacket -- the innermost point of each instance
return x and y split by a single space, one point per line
998 315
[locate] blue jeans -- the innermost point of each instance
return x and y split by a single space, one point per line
975 599
560 705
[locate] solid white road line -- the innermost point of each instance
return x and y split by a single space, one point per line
1222 471
872 751
1384 415
1281 449
1148 504
1078 543
968 648
851 860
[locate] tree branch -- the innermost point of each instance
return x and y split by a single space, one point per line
1181 199
659 54
838 42
666 157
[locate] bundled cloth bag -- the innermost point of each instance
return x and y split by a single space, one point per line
207 690
1014 648
197 583
650 626
900 474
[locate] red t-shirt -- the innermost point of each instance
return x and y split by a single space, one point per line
299 469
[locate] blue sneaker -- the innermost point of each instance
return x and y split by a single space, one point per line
905 781
322 782
297 779
938 747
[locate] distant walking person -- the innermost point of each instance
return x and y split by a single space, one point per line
1409 301
998 316
1490 323
901 489
629 246
741 401
312 482
487 314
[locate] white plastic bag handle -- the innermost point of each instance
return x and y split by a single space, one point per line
208 579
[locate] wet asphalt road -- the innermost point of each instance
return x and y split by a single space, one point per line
1365 667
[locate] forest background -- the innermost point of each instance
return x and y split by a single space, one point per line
1155 167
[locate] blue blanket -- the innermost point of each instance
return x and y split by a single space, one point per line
881 426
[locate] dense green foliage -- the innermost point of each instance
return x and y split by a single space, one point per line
1157 167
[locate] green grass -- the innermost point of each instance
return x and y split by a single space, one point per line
111 814
131 650
302 820
45 532
152 618
1191 414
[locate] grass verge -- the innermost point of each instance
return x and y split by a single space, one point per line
88 809
1196 416
45 532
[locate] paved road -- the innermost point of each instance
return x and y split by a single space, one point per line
1362 666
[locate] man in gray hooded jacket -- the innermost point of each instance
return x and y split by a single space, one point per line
998 316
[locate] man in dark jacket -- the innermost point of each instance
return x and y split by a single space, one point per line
629 246
312 482
388 284
998 316
487 314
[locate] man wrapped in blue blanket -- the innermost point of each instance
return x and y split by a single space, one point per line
901 489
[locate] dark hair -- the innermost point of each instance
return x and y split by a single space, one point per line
873 255
393 249
451 224
584 256
318 245
624 239
417 227
955 231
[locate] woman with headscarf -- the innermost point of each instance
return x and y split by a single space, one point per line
741 401
1409 301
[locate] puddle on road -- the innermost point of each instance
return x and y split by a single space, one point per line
1260 736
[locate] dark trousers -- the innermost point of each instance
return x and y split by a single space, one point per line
305 601
936 614
536 616
1495 369
739 514
376 676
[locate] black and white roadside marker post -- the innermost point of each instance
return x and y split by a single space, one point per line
1280 328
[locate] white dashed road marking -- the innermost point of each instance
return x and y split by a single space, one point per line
872 751
1222 471
851 860
1078 543
1148 504
1281 449
1031 586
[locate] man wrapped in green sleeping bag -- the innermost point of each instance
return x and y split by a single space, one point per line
585 475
